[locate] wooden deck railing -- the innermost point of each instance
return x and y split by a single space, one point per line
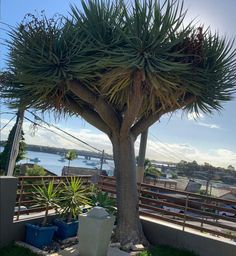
189 210
25 203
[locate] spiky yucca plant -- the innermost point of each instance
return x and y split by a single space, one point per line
46 196
73 195
120 67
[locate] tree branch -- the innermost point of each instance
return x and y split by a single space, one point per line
134 104
101 107
89 115
146 122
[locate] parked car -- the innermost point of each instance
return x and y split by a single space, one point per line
172 209
22 208
226 213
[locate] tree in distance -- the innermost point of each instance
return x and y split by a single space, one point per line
70 156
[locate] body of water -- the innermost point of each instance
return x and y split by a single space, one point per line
52 162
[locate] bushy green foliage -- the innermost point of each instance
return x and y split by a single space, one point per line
153 171
36 170
206 171
150 169
5 154
102 199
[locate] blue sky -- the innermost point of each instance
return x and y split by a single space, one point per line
209 139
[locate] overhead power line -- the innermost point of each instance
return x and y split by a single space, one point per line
7 123
7 113
61 130
168 149
171 158
60 135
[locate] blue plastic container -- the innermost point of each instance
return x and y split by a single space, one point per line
39 236
66 230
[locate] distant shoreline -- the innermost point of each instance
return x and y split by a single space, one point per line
62 151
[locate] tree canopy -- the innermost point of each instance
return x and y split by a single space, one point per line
93 60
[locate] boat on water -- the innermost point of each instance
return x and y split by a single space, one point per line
35 160
62 160
91 163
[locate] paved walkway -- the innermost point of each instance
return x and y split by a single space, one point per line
74 251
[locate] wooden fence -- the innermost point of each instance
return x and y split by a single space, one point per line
188 210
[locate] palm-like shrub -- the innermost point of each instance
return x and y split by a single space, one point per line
73 195
70 156
46 196
121 67
102 199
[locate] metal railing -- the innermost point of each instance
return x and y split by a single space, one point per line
25 203
190 210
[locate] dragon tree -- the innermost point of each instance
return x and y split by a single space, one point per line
121 67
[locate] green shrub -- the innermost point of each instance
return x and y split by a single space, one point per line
102 199
36 170
15 250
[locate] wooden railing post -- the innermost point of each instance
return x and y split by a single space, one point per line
202 219
185 210
20 197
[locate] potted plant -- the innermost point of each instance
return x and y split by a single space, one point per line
41 235
102 199
73 196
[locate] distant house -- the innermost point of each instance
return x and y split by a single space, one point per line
229 196
193 186
182 183
166 183
188 185
76 171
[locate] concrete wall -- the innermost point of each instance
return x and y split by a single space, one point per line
156 232
11 231
202 245
8 186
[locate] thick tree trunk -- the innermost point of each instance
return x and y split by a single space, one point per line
129 229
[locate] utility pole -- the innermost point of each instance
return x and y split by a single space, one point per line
102 159
16 141
141 156
209 178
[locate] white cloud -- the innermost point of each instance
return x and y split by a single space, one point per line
211 126
198 118
155 150
176 152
